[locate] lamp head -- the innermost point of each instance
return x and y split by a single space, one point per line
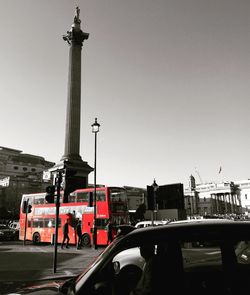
95 126
155 185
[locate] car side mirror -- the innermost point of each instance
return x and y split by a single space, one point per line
116 266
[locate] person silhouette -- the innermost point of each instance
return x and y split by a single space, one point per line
109 232
79 234
65 234
146 284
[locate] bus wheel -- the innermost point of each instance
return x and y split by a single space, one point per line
85 240
36 238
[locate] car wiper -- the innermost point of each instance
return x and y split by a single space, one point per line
67 286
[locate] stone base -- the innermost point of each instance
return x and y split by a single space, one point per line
75 175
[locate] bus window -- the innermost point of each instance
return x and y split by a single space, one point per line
28 197
38 200
100 196
118 196
37 222
101 223
61 198
72 198
48 223
118 207
51 222
82 197
118 220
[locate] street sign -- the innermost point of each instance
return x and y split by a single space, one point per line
5 182
46 175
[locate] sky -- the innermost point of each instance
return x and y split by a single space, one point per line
168 81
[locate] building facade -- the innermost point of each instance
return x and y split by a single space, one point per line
19 173
136 197
244 192
214 198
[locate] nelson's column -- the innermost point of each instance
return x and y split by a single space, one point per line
76 170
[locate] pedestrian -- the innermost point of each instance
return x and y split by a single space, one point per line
65 234
109 232
79 234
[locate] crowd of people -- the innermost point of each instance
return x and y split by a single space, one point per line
230 216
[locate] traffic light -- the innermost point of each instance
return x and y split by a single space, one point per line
24 206
50 194
150 197
29 209
90 199
70 183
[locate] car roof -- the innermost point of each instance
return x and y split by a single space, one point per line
210 220
149 221
146 222
211 229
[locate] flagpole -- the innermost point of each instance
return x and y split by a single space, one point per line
220 169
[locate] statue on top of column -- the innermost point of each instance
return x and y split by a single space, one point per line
77 15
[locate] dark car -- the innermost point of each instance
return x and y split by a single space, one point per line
7 233
172 265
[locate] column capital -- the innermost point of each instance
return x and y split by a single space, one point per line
74 37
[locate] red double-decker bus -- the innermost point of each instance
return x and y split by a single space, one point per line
111 203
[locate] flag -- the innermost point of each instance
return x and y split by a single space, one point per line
220 170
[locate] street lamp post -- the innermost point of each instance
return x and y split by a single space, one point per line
95 129
155 187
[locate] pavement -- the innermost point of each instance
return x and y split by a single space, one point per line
41 259
20 264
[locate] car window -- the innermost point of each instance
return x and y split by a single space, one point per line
192 254
201 253
127 257
140 225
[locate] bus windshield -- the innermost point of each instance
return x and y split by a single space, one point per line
118 195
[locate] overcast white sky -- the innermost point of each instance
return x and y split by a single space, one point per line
168 80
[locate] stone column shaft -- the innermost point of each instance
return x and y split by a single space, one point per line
73 118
